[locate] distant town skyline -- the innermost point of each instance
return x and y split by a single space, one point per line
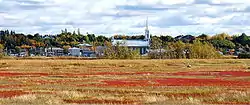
109 17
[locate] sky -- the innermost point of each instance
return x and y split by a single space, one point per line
109 17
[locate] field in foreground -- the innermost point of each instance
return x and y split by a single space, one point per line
152 82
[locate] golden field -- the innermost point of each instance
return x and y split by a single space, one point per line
111 82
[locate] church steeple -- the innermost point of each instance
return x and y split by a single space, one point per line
147 36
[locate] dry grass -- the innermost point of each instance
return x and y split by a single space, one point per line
59 82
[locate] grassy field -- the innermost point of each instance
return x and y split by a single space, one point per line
150 82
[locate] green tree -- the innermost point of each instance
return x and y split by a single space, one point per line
243 39
156 43
87 39
203 37
66 48
1 50
177 50
221 36
225 44
199 50
119 51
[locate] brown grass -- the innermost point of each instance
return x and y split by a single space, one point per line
59 81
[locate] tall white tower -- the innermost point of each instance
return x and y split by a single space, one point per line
147 36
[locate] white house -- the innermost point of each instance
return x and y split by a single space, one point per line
75 51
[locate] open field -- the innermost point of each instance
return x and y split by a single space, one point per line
150 82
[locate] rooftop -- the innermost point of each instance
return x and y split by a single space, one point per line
85 44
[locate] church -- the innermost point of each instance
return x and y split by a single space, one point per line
140 45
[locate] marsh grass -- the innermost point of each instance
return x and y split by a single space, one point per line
65 76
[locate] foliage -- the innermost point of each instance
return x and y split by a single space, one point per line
122 37
119 52
167 46
156 43
243 39
221 36
65 49
223 43
1 50
244 56
176 50
180 50
203 37
199 50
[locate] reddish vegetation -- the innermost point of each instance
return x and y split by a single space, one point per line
9 86
214 73
199 82
201 73
55 81
151 82
176 82
127 83
8 94
96 101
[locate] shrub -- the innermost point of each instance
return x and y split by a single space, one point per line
1 50
120 52
244 56
200 50
180 50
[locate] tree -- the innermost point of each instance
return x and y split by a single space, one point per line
66 48
87 39
156 47
78 32
1 50
167 38
221 36
243 39
199 50
119 52
156 43
203 37
177 50
225 44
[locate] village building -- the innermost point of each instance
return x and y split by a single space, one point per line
75 51
141 45
87 50
54 51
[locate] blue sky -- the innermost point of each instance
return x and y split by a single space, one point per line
109 17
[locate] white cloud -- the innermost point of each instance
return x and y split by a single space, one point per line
125 16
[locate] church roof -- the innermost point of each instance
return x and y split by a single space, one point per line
131 43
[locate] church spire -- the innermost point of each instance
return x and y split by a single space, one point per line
147 36
147 24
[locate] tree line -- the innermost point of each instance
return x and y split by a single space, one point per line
223 42
13 41
202 46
